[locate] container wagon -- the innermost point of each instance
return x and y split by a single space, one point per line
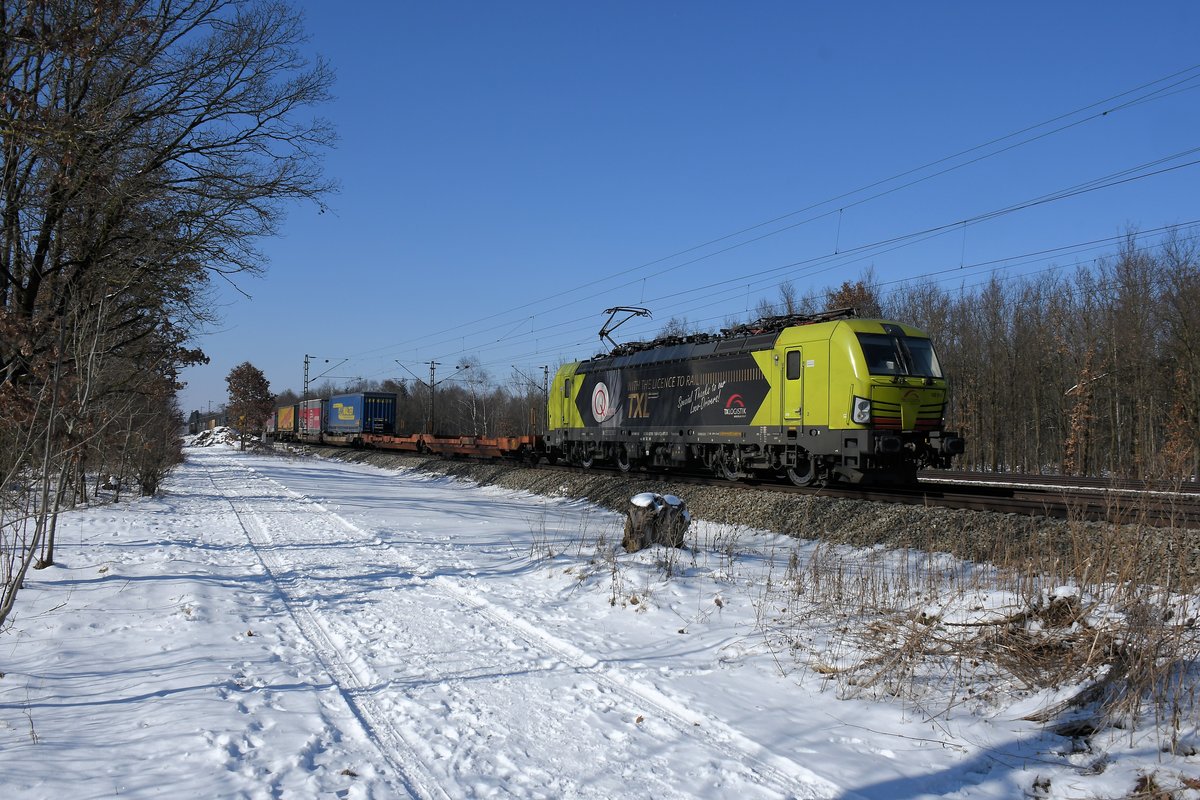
349 416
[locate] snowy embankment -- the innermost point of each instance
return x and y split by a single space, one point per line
272 627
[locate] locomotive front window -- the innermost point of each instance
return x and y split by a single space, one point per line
924 361
899 355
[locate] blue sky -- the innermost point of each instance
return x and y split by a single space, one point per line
510 170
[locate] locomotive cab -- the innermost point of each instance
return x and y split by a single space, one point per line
898 398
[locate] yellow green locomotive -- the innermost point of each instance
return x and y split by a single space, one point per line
816 398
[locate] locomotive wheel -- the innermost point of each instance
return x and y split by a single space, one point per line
803 477
624 462
586 460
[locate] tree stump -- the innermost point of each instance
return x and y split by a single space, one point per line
655 519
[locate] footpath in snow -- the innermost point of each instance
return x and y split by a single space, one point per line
275 627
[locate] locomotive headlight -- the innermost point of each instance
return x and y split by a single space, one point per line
861 410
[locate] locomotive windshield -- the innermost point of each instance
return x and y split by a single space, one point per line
889 354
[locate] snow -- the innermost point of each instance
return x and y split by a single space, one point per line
293 627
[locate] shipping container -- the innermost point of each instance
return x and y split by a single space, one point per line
361 412
285 422
310 413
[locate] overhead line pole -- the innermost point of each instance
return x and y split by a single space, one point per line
307 359
545 388
432 393
433 384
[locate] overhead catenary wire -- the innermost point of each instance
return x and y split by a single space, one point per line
487 340
818 264
581 338
990 269
1107 181
1168 85
887 245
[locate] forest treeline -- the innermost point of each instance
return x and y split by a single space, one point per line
1089 370
1086 370
467 401
145 147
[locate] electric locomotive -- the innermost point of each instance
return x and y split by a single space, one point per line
814 398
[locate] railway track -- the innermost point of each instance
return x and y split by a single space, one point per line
1126 503
1095 484
1059 501
1157 504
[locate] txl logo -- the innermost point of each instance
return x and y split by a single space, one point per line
639 405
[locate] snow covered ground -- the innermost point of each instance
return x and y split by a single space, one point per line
277 627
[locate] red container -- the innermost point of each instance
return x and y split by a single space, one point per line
308 419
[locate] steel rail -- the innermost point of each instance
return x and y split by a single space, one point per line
1150 503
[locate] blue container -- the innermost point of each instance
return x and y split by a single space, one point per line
361 412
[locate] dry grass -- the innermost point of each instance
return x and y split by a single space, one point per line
1109 613
1101 622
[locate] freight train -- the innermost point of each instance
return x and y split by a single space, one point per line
812 399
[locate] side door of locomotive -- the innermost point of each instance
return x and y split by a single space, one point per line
793 386
568 402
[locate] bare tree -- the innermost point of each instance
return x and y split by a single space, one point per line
475 400
1181 314
146 144
675 326
765 308
287 397
789 302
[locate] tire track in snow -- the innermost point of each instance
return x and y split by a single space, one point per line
417 780
784 774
